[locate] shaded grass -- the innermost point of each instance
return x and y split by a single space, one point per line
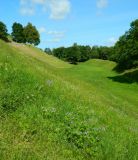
130 77
71 113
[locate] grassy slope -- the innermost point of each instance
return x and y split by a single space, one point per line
108 85
52 110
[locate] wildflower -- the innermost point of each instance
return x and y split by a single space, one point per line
49 82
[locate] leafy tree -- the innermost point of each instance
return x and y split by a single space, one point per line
48 51
18 33
134 30
127 48
60 53
104 52
71 54
3 31
112 54
31 34
74 54
85 53
95 52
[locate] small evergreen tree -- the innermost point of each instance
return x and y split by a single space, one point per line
31 34
3 31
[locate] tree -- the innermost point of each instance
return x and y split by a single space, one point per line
95 52
18 33
85 53
48 51
60 53
74 54
31 34
134 30
127 48
104 52
3 31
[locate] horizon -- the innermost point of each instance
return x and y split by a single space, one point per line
62 23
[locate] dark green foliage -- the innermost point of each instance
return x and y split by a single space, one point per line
127 48
104 53
134 30
48 51
59 52
18 33
78 53
73 54
101 52
3 31
31 34
85 53
70 54
95 52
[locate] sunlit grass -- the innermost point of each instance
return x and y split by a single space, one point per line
53 110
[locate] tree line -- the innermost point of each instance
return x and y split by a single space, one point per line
124 52
79 53
21 34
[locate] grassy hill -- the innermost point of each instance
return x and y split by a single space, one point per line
50 109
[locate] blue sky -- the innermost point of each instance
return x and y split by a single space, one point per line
63 22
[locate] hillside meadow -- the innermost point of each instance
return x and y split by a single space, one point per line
52 110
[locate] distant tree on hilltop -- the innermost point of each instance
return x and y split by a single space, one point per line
74 54
48 51
31 34
3 31
85 53
18 33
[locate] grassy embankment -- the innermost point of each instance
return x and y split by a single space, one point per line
53 110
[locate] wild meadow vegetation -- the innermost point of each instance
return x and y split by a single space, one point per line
54 110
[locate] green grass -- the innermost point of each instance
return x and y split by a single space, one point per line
53 110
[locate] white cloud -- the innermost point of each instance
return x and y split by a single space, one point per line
54 36
57 34
53 40
42 30
39 1
23 2
112 41
102 4
58 8
27 11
